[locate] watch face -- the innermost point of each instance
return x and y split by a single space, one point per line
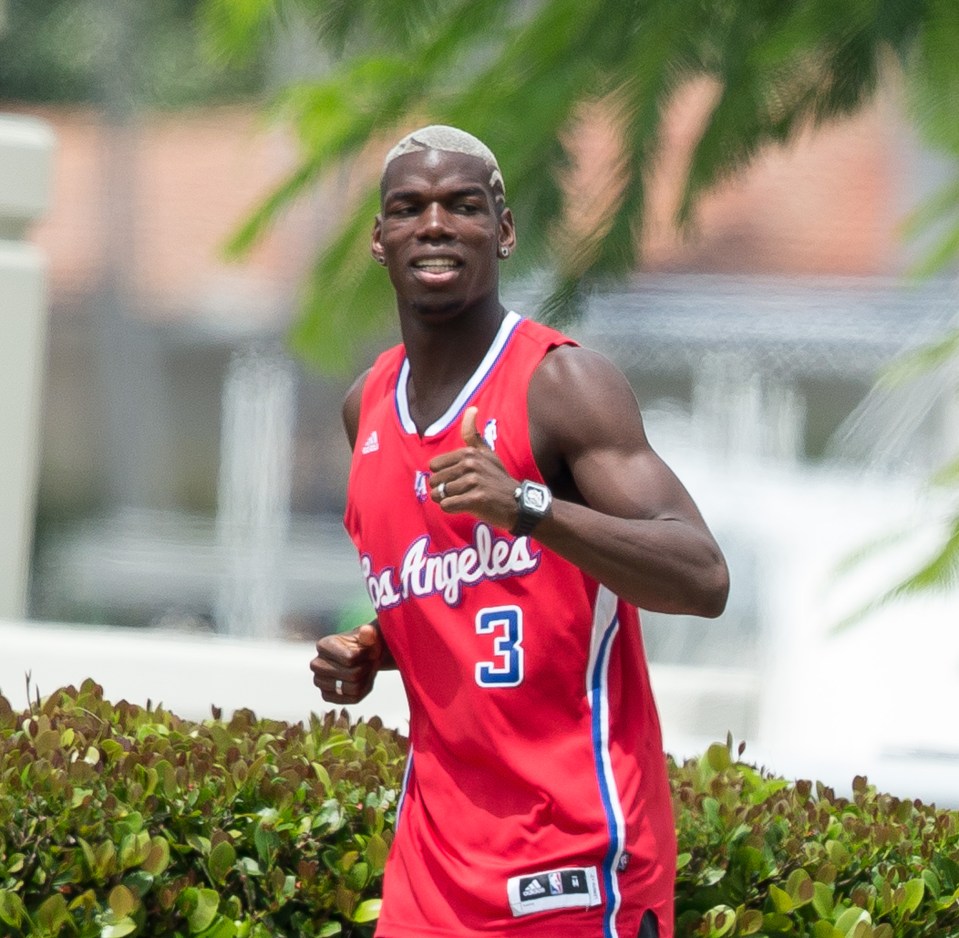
536 498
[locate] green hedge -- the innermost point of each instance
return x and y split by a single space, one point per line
123 820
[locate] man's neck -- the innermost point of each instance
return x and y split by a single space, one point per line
443 356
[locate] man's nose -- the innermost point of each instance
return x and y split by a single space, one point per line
435 222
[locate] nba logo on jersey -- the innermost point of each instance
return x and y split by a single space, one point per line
555 884
489 433
420 488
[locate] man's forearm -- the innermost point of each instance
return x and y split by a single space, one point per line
664 565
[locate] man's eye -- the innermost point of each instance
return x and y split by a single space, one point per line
402 208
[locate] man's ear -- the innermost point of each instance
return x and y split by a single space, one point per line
507 230
376 245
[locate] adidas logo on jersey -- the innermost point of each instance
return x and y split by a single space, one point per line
372 443
535 888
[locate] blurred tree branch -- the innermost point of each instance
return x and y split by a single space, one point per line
517 75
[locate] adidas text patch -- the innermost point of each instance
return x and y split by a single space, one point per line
571 888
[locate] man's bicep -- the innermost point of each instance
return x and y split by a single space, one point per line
591 416
630 482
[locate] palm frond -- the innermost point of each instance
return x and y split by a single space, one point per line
946 476
922 361
938 574
516 75
347 296
234 28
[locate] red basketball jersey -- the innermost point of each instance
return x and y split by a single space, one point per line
536 801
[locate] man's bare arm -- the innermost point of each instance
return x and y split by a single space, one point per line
626 519
351 660
637 530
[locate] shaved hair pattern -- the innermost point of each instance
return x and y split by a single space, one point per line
449 140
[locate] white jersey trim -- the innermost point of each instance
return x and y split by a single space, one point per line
605 628
510 321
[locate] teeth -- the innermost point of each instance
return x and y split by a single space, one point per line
438 263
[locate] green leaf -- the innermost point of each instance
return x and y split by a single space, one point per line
822 900
222 859
200 907
158 857
134 849
358 876
200 844
368 911
781 900
122 901
376 853
53 914
848 920
221 928
118 929
914 891
749 922
721 920
823 929
105 859
718 757
800 887
249 866
12 911
208 901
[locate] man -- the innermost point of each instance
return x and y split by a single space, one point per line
510 515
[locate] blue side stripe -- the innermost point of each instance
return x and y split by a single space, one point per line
598 744
408 768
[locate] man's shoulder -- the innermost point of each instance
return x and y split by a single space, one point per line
543 334
577 377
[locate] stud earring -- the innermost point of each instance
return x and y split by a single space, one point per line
380 259
504 251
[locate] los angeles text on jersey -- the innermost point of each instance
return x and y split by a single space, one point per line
446 573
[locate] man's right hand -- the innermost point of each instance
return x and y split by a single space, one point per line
346 663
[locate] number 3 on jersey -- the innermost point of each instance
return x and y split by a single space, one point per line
505 624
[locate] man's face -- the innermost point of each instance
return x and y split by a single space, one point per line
439 231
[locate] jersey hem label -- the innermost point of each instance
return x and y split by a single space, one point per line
568 888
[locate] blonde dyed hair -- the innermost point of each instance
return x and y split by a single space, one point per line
449 140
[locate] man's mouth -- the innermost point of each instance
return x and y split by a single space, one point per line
436 265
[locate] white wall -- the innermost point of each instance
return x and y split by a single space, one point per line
187 673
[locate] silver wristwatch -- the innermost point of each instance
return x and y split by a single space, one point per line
534 501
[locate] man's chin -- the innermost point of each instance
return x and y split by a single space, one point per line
436 309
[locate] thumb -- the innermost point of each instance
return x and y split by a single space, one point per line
367 635
468 429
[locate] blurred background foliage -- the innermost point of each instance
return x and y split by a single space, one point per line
522 74
53 51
